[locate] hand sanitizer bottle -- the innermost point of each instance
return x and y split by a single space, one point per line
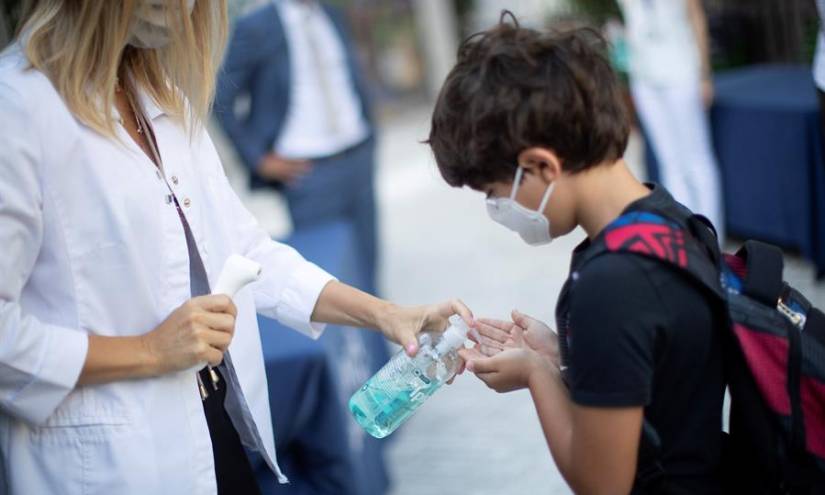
394 393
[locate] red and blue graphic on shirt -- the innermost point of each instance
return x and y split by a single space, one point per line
648 234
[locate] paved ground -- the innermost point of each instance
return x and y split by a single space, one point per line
438 243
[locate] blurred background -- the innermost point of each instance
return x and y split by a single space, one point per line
427 242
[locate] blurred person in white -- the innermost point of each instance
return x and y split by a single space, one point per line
671 82
115 217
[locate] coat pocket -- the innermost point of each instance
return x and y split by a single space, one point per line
94 446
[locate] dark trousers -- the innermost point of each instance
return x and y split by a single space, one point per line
341 187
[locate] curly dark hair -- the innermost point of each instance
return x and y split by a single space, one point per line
513 88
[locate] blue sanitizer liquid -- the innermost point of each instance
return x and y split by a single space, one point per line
398 389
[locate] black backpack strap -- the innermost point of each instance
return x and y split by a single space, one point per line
685 242
764 276
703 231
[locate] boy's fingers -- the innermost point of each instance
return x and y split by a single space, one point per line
489 379
482 365
492 332
469 354
518 334
502 325
490 347
520 318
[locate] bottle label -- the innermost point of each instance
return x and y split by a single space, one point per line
421 376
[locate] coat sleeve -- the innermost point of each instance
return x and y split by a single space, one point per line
39 363
290 285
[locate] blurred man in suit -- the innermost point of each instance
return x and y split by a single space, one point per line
306 129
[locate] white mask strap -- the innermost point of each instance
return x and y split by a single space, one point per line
546 196
516 182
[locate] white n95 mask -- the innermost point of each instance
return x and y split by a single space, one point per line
150 27
531 225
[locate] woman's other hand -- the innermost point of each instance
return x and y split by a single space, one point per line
198 332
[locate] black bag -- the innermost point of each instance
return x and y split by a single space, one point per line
774 356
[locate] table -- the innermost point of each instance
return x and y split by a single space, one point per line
320 447
310 430
768 140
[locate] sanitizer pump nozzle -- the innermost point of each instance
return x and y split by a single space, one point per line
454 337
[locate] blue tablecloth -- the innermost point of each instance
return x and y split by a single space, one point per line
768 141
310 428
320 447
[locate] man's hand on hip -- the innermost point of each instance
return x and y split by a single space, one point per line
274 167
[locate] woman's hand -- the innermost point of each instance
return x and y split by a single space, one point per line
403 324
198 332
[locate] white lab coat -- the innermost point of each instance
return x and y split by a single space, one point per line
90 244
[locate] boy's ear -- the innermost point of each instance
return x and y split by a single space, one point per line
542 162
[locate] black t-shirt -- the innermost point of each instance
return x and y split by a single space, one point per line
642 334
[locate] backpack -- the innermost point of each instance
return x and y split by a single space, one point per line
774 353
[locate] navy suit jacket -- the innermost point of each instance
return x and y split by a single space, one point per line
257 66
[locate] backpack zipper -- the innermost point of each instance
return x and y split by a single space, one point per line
797 319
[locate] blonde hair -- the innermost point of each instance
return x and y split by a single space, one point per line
81 46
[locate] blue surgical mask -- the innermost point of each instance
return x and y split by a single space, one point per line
531 225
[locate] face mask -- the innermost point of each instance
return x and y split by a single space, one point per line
150 27
532 226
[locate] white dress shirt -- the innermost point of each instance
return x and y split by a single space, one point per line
662 46
325 115
92 245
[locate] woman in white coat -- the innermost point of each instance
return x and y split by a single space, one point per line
115 219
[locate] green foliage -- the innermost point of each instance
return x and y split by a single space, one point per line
597 11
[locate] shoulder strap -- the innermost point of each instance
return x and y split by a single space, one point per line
703 231
687 244
764 271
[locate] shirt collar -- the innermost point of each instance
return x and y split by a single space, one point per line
150 108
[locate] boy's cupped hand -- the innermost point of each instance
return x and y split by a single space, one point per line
506 352
508 370
495 336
